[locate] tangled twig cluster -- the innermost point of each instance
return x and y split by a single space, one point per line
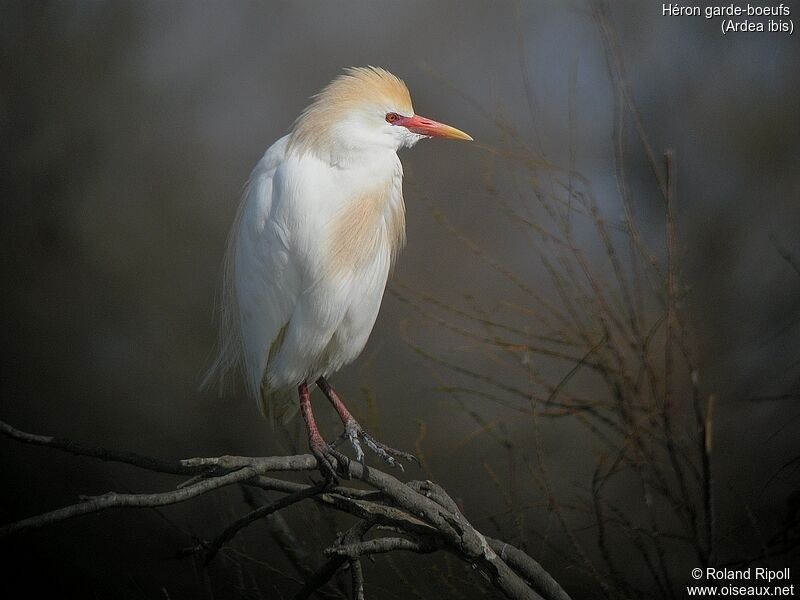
418 516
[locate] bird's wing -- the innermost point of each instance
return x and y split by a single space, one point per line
259 286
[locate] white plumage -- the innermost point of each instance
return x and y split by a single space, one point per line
321 221
294 298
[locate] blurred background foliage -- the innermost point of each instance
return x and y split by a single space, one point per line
127 130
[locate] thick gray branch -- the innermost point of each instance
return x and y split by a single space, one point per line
529 569
383 545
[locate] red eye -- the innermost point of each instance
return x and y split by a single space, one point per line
392 117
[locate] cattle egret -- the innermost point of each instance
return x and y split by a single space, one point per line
321 221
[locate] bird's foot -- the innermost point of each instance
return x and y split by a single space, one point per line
330 462
355 434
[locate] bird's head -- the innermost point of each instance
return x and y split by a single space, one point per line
366 109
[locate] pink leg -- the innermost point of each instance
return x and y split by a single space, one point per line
327 458
331 394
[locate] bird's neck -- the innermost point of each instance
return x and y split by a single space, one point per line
329 146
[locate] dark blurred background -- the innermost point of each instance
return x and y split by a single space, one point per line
127 130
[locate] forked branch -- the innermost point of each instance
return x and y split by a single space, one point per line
420 515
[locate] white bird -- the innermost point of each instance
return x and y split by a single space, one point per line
321 222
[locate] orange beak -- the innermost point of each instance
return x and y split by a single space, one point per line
431 128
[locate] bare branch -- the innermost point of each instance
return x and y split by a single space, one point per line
81 449
529 569
383 545
358 579
113 500
421 514
211 548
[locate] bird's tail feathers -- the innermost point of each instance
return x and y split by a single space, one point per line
228 360
224 368
227 363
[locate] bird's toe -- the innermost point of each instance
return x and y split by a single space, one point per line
330 462
354 441
387 453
